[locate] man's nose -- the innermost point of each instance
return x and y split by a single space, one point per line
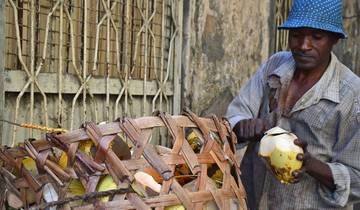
306 43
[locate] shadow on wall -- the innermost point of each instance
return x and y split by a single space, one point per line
218 104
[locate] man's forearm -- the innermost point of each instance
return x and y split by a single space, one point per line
320 171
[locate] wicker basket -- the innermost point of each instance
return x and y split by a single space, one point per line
194 190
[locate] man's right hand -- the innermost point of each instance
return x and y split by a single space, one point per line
250 130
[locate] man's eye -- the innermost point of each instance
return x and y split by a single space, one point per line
317 36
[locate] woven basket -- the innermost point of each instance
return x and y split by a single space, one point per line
193 188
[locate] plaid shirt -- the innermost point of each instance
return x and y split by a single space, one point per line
327 116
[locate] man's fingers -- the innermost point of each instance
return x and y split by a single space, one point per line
303 157
245 128
294 181
300 157
298 142
252 128
241 128
297 175
260 128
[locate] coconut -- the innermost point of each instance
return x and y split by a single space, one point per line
278 149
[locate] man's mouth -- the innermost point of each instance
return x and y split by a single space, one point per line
302 56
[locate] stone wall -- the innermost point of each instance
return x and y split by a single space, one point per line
229 39
348 50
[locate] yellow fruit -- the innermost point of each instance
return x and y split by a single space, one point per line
194 141
278 148
192 135
284 163
30 165
63 160
217 177
137 188
76 188
105 184
175 207
85 146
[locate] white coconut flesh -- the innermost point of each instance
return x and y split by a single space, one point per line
276 131
280 139
266 147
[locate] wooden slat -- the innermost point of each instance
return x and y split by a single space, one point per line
182 194
137 202
202 180
163 200
15 80
143 122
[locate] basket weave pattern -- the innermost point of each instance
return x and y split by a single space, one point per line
89 169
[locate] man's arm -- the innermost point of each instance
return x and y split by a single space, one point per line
339 179
320 171
244 109
314 167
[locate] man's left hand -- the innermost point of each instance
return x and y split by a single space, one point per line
298 174
314 167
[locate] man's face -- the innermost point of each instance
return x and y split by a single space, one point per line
311 48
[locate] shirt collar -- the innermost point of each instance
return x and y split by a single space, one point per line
330 85
286 69
326 88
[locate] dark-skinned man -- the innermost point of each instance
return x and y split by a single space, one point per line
309 92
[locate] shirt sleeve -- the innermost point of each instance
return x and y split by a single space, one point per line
338 197
345 166
247 103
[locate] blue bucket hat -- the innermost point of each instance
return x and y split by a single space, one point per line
320 14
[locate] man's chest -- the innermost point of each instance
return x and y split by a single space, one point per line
315 121
293 93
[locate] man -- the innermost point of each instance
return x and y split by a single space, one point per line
309 92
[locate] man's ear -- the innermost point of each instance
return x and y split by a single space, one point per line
335 38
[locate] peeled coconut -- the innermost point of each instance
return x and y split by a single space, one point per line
278 149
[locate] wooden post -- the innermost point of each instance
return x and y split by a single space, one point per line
272 24
178 60
185 63
2 73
